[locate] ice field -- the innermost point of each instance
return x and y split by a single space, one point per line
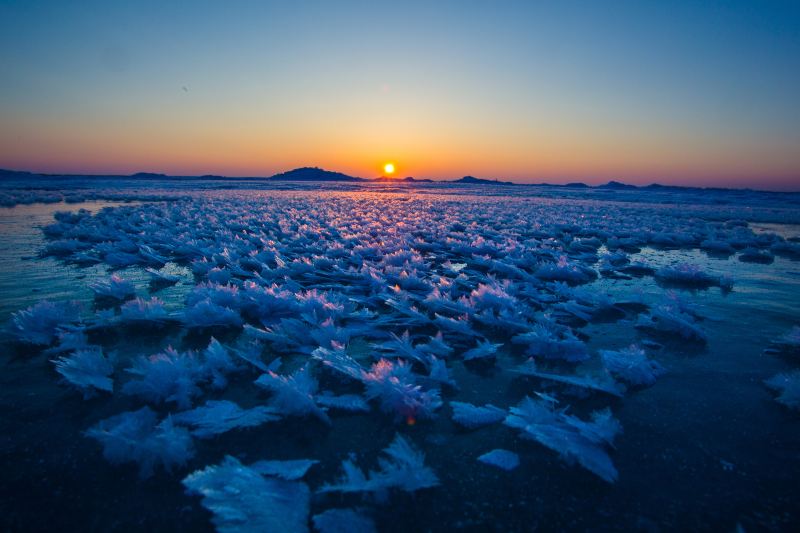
244 356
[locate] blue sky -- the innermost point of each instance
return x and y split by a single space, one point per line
680 92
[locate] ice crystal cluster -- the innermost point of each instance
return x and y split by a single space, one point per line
371 304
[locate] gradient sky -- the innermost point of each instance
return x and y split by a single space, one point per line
700 93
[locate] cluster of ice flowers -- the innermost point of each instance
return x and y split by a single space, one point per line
363 305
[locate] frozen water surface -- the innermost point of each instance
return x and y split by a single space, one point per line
178 354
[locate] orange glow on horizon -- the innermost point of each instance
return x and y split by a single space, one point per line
433 150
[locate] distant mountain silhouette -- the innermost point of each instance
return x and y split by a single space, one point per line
15 173
615 185
478 181
318 174
149 176
660 187
313 174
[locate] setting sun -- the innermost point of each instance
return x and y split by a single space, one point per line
388 168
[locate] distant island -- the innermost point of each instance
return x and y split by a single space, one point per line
472 180
313 174
617 186
318 174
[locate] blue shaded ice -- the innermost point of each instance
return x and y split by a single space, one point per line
207 314
673 316
600 382
787 344
40 323
403 468
293 394
137 436
217 364
632 366
571 437
471 416
394 384
169 376
115 288
243 500
87 369
345 402
483 350
140 310
787 386
549 340
291 470
691 275
500 458
219 416
343 521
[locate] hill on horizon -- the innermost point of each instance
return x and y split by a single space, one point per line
313 174
481 181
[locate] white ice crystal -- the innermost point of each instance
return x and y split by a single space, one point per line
40 323
483 350
294 394
600 382
632 366
169 376
395 385
787 386
690 275
242 499
87 369
551 341
500 458
472 416
140 310
291 469
137 436
403 468
574 439
206 314
114 288
219 416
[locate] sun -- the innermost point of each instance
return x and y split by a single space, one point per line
388 169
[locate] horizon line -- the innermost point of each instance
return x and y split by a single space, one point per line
500 181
